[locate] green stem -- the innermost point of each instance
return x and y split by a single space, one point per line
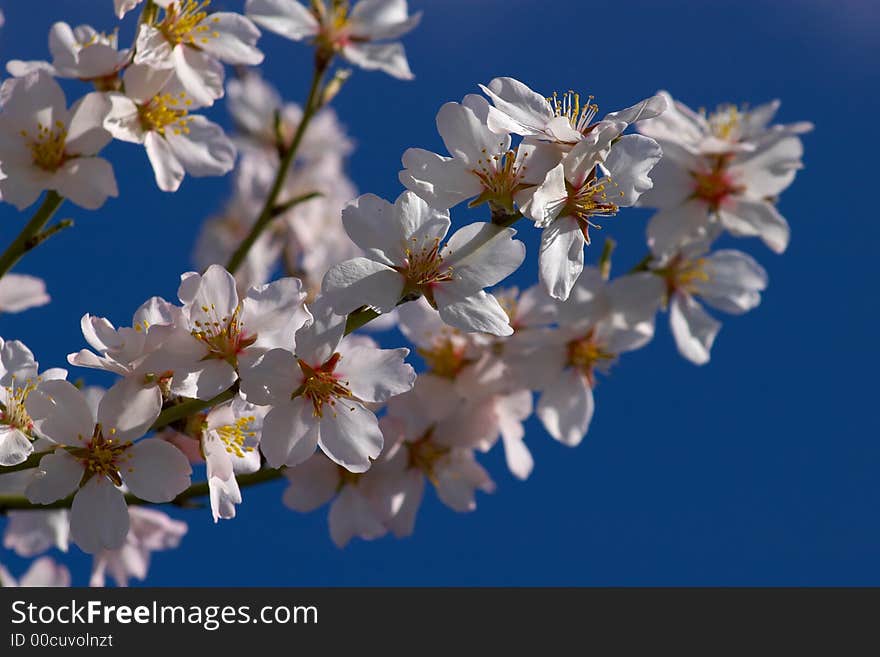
268 213
27 238
189 407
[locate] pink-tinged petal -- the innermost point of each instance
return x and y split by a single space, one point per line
359 282
478 312
561 259
374 375
167 168
31 533
231 38
87 182
86 134
99 517
127 410
481 255
155 470
387 57
312 484
351 515
60 412
19 292
45 572
204 149
566 408
747 218
693 328
290 433
284 17
349 435
56 477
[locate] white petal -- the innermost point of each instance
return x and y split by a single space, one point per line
200 74
289 19
630 161
86 134
99 517
60 412
19 292
374 375
466 137
351 515
646 109
15 447
312 484
204 150
127 410
481 255
443 182
290 433
672 229
359 282
57 476
272 379
566 408
387 57
231 39
275 312
735 282
156 471
747 218
167 168
693 328
86 181
350 435
528 112
478 312
381 19
561 259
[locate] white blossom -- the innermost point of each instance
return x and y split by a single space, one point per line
20 292
45 146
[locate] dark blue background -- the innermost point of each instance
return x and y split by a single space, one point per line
760 468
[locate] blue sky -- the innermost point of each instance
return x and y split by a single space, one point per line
760 468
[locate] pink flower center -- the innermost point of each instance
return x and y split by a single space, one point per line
322 386
585 354
104 456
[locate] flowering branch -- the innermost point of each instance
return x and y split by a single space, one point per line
32 234
270 209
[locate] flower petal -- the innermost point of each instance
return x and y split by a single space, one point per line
99 517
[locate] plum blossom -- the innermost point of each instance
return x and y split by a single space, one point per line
362 34
358 506
154 112
192 41
727 129
20 292
319 390
561 120
149 531
45 146
700 190
18 380
406 260
229 441
594 180
729 280
597 323
482 166
82 53
96 453
44 572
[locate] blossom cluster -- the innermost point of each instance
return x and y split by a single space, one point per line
254 376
